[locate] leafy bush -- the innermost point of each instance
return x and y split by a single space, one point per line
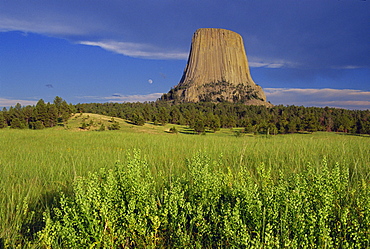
102 127
84 126
38 125
138 119
17 124
114 126
173 130
206 207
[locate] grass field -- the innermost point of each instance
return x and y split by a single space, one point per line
35 165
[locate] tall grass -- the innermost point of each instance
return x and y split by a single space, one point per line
37 165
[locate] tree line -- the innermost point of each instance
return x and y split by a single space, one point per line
213 116
39 116
198 116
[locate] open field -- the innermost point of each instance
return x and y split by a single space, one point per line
35 165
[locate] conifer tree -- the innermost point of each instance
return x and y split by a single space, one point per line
52 115
17 124
214 123
162 116
41 111
199 126
2 120
175 115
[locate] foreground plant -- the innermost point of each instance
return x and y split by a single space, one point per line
207 207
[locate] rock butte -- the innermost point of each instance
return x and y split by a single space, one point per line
217 71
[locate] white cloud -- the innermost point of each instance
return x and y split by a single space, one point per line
269 63
340 98
12 102
39 26
137 50
347 67
119 98
162 23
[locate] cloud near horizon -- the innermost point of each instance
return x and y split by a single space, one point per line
339 98
121 98
4 102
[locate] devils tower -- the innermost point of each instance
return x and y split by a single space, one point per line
217 71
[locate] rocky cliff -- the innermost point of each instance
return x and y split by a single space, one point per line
217 70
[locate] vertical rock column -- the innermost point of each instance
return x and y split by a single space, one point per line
217 55
217 67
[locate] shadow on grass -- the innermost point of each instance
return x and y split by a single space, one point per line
189 131
353 134
34 222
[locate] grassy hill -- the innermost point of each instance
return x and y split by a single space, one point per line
94 121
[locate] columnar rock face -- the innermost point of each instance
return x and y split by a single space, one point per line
217 70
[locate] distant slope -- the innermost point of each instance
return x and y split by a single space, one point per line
93 122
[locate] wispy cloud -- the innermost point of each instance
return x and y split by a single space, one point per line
35 25
321 43
120 98
340 98
137 50
269 63
4 102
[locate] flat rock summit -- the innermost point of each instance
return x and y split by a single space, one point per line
217 71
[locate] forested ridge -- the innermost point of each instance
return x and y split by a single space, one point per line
199 116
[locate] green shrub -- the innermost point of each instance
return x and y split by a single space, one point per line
83 126
208 208
102 127
114 126
16 123
38 125
173 130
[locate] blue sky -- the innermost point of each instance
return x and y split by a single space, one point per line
311 53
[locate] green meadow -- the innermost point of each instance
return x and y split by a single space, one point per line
43 173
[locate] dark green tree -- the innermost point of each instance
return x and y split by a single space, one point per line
249 128
214 122
52 117
344 123
175 115
58 102
114 126
292 125
38 125
16 123
2 120
162 116
199 126
64 111
41 112
138 119
311 123
102 127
